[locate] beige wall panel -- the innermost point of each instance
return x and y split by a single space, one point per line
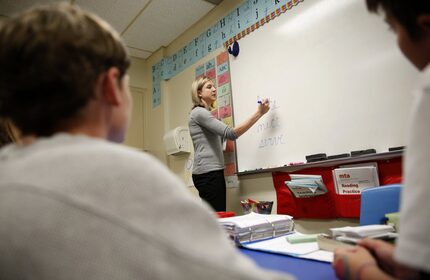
137 73
134 136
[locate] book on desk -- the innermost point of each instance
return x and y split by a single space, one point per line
254 227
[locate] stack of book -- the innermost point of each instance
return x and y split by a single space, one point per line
306 185
255 227
353 234
352 179
349 236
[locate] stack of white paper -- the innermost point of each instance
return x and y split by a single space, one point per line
306 185
253 226
352 180
353 234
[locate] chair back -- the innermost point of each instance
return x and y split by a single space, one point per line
378 201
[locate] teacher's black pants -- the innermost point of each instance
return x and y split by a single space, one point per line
212 188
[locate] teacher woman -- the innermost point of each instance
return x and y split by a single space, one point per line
208 134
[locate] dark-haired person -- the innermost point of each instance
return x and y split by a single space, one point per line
8 133
410 257
74 204
208 134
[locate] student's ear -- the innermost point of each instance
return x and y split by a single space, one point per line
423 22
110 86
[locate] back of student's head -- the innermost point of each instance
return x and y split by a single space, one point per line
405 12
51 58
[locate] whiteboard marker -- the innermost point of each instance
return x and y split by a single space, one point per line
296 163
259 99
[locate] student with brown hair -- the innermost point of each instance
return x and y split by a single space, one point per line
409 258
8 133
73 203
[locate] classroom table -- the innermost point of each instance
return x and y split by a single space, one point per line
300 268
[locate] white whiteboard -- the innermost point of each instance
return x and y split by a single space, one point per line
336 80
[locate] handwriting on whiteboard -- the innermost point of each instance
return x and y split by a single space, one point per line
272 141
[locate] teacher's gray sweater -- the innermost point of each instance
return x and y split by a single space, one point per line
208 134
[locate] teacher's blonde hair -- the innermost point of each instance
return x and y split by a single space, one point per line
196 87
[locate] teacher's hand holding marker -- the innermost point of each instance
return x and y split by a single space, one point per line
208 134
263 108
263 105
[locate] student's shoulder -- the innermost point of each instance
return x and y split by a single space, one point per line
119 153
127 162
423 83
94 149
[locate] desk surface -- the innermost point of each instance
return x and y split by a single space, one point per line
300 268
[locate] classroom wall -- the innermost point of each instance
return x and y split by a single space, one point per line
135 134
154 124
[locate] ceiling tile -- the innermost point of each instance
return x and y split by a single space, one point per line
148 24
164 20
119 13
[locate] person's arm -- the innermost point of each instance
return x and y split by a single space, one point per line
382 251
263 108
384 255
357 263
